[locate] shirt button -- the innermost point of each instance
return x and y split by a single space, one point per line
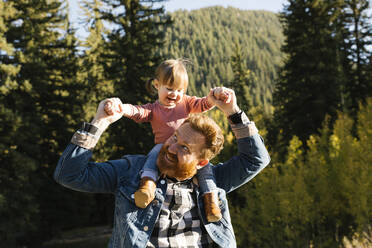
145 228
132 196
162 181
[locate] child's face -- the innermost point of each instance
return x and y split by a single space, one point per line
170 96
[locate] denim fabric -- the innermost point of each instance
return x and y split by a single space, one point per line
133 225
150 169
206 179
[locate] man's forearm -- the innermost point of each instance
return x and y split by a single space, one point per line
251 159
88 136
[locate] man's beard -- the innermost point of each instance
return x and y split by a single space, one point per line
168 165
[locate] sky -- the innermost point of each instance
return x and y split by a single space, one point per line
172 5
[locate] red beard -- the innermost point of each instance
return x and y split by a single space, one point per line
168 165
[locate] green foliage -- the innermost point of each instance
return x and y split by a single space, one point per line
37 111
315 198
325 69
319 192
208 38
309 84
358 33
130 60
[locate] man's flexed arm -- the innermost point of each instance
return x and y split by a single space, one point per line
74 169
252 155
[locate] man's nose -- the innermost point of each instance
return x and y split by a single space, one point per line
172 148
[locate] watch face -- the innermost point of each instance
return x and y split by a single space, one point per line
236 118
89 128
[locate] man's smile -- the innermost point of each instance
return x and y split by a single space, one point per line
170 158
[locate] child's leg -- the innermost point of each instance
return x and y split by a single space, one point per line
146 191
150 169
208 189
206 179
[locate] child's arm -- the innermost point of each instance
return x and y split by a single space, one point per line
137 113
198 105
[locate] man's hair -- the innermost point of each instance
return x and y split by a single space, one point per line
212 132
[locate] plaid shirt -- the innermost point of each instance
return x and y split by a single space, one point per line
179 224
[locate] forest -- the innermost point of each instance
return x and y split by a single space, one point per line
303 75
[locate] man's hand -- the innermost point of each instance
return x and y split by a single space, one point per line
114 112
224 99
218 93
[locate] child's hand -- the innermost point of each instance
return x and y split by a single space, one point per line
111 108
221 94
108 111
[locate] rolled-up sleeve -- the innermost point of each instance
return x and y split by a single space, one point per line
75 170
252 157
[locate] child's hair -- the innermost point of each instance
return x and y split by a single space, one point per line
171 72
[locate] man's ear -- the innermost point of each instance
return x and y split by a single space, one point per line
202 163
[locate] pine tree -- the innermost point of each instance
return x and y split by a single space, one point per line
207 37
132 56
16 170
358 38
8 72
310 83
241 84
39 110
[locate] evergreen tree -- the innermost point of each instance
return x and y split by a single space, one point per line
132 56
310 83
38 110
15 173
357 40
116 62
97 86
208 36
8 72
241 84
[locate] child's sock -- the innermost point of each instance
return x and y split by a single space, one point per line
212 210
145 193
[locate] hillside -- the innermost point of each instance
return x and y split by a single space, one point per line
208 36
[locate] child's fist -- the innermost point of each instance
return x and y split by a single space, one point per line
108 107
221 94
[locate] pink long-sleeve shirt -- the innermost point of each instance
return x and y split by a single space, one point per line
164 121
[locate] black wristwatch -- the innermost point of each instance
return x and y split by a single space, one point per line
236 118
89 128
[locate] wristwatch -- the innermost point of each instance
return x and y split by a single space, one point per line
236 118
89 128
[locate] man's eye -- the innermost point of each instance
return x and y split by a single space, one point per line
185 148
169 89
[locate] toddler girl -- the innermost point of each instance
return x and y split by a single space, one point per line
166 115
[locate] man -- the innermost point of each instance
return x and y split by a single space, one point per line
175 218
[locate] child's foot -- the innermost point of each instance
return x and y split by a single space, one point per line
145 193
212 210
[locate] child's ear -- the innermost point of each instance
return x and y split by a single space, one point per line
155 82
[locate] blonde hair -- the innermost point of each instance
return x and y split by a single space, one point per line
171 72
212 132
